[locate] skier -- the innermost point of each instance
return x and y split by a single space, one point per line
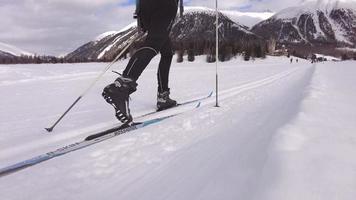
156 17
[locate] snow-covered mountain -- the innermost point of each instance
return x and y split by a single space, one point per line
5 55
196 28
317 22
248 19
104 46
12 50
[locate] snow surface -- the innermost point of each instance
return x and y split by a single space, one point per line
329 58
347 49
312 6
248 19
13 50
283 131
110 33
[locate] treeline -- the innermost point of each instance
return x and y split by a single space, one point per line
45 59
304 51
348 56
35 59
227 50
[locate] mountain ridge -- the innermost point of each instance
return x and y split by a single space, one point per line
195 30
328 24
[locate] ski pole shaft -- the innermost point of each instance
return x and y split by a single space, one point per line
139 35
217 53
70 107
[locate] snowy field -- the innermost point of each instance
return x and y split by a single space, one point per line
282 131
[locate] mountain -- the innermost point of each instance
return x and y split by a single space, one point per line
9 53
315 24
6 55
105 46
195 30
248 19
12 50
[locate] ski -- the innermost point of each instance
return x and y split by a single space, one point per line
88 141
179 104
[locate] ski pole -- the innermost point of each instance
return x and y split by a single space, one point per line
139 35
217 53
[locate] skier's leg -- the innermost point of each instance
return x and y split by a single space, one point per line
164 66
158 34
117 94
163 99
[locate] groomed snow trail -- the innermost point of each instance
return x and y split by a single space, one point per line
313 156
210 153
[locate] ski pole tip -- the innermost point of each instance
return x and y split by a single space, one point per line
49 129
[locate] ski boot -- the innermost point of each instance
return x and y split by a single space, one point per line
164 102
117 94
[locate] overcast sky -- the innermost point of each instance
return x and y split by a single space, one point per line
56 27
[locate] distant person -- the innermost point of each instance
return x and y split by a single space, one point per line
156 17
297 60
291 60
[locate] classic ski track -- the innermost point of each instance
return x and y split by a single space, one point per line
231 92
223 95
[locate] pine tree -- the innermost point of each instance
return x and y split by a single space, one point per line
191 56
180 58
344 57
247 55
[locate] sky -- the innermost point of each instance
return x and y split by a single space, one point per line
57 27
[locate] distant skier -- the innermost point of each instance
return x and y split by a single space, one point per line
291 60
156 17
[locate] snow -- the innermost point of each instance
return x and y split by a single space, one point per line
248 19
314 152
245 18
13 50
111 33
329 58
339 32
347 49
110 46
312 8
282 131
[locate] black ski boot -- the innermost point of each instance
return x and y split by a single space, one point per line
164 102
117 94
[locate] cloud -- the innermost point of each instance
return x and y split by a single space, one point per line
59 26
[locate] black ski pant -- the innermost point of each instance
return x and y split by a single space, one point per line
157 17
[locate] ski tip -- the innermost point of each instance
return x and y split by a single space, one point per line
49 129
89 138
211 93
